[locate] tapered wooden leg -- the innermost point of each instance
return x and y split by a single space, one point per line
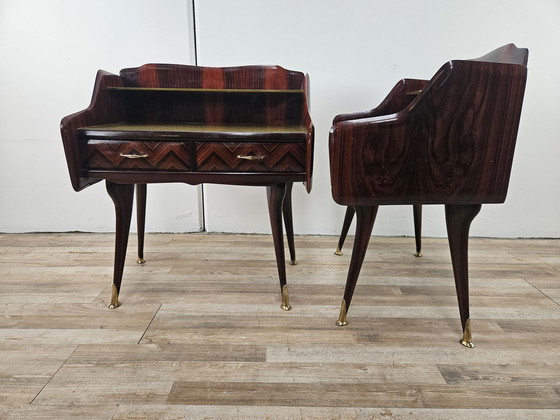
141 192
122 196
417 211
365 217
345 227
275 194
288 222
459 219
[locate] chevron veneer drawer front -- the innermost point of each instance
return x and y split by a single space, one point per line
137 155
250 157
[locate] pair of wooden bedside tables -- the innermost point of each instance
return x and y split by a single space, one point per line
449 140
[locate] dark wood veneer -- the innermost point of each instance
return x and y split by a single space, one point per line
156 123
439 148
449 140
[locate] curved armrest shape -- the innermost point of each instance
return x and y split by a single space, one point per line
453 144
367 158
103 109
402 94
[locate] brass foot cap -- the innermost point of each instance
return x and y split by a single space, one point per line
140 261
293 262
114 298
468 344
338 252
285 299
341 323
417 254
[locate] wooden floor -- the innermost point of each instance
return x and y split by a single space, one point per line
200 333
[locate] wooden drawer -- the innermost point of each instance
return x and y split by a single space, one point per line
137 155
250 157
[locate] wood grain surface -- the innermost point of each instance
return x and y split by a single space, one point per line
200 333
453 143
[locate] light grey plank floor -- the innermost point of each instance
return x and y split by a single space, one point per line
200 333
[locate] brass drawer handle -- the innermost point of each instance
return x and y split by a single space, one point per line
250 157
133 156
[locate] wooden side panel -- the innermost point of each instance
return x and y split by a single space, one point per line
103 109
453 144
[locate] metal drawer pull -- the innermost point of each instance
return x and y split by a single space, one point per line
133 156
250 157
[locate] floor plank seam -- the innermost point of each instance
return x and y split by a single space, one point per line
542 292
53 375
150 323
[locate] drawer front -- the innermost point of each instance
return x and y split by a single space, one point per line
250 157
137 155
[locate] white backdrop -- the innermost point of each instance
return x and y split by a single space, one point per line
354 52
50 51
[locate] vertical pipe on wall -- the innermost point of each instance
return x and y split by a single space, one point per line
192 24
194 59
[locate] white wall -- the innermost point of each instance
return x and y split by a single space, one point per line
354 52
50 51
